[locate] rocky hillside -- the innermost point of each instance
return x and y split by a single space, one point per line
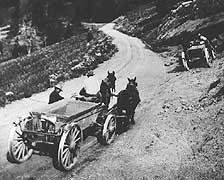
184 18
193 100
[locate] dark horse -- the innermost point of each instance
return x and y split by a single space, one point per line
128 99
107 86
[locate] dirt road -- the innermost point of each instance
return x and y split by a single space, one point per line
133 59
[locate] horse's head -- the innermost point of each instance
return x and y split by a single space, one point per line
132 84
105 88
111 78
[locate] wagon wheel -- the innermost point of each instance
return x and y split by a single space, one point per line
69 148
19 149
185 61
208 58
109 131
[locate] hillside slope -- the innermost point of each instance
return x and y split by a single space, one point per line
146 23
191 102
69 59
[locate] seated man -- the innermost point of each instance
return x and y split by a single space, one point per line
90 91
208 45
55 96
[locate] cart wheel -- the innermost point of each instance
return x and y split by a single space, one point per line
109 131
18 150
208 58
184 61
69 149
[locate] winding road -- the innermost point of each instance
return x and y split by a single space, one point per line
133 59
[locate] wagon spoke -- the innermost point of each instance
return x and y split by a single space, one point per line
64 158
24 150
68 159
72 157
65 151
17 144
71 135
76 134
18 138
66 145
77 140
18 133
20 151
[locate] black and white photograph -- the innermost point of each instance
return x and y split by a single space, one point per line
111 89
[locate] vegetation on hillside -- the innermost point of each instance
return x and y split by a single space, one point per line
69 59
166 22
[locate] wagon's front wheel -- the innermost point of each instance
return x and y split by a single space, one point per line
69 149
109 131
19 149
184 61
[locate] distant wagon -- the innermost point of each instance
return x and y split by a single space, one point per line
196 52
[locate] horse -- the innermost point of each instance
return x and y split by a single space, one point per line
128 99
107 86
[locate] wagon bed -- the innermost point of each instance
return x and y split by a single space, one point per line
63 125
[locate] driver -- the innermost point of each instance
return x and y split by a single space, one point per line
55 95
91 86
207 44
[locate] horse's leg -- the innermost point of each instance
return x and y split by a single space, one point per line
132 117
132 112
134 106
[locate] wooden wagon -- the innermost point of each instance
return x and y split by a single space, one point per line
197 52
63 126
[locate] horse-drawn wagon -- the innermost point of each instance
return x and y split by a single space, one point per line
63 126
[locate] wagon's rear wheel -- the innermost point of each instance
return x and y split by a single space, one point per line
208 58
69 149
109 131
19 149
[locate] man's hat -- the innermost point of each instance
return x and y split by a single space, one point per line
90 73
58 86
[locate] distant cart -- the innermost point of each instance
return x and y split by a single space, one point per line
196 52
61 126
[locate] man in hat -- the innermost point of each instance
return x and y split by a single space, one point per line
208 45
91 87
55 96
